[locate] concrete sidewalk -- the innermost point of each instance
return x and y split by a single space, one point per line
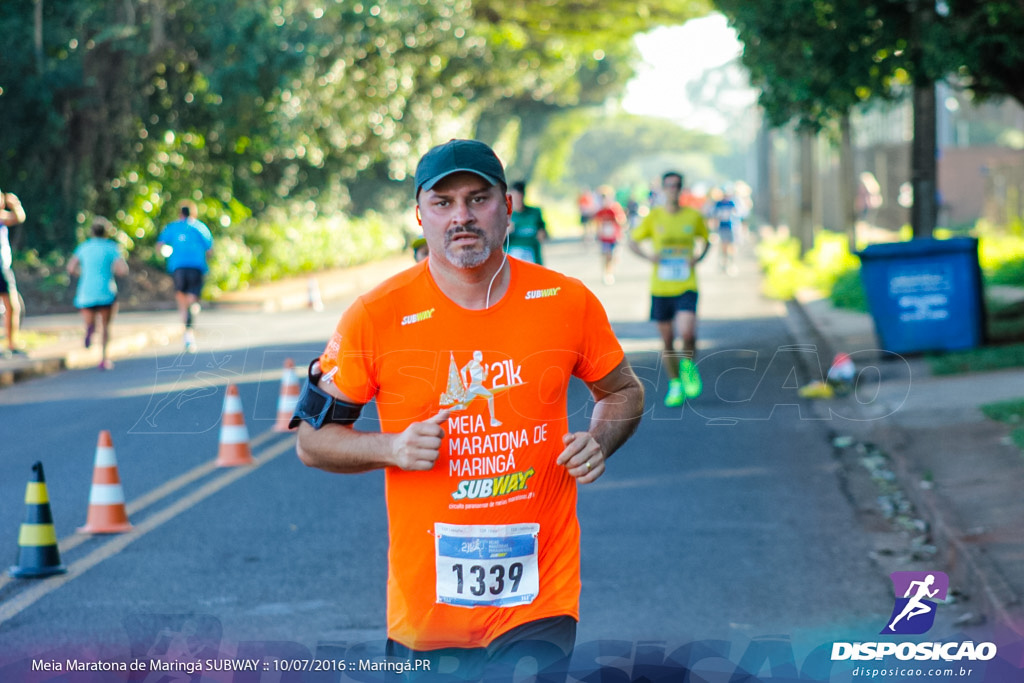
961 472
136 331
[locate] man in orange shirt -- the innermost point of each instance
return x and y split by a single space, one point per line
469 356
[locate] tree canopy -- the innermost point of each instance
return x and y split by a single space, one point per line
615 143
816 59
123 107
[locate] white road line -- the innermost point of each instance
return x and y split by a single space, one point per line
118 543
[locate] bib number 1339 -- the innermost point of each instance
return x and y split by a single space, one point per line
486 565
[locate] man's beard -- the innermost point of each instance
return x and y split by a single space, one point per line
468 258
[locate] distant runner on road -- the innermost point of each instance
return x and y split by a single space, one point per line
679 240
97 261
527 228
189 242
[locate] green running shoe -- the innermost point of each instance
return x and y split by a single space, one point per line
675 396
690 377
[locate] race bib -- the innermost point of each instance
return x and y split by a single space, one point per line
486 565
608 230
674 269
522 253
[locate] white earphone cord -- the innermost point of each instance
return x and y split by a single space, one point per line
504 259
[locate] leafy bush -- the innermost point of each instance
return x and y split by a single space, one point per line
247 252
848 291
825 264
784 273
283 245
1002 259
1012 413
830 267
984 359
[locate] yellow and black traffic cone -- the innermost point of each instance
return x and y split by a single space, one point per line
37 542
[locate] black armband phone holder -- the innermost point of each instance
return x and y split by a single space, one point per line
317 407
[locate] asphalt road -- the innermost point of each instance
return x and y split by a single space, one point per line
721 521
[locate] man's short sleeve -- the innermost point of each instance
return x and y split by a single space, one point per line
643 231
700 228
600 351
207 236
350 355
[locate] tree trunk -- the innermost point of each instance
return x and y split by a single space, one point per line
924 169
533 121
157 31
764 195
805 227
847 182
489 126
923 165
37 34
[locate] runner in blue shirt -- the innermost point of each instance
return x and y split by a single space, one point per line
96 261
725 216
190 242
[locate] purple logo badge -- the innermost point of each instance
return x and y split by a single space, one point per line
914 611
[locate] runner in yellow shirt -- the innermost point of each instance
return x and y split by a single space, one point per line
679 240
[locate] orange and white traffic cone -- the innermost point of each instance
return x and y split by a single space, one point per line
107 514
234 437
289 397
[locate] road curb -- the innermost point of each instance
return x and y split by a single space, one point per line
967 563
29 369
124 345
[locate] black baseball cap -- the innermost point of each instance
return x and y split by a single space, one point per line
457 156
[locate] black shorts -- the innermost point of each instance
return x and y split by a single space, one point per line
7 284
664 308
99 308
188 281
549 642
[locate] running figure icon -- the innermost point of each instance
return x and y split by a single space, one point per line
475 372
915 606
917 595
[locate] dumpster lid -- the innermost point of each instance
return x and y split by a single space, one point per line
922 246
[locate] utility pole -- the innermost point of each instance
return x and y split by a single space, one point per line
923 158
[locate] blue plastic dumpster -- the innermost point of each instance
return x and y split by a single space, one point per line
925 295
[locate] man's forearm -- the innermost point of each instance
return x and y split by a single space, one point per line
343 450
636 249
616 417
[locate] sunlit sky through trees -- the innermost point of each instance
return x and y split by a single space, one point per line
675 60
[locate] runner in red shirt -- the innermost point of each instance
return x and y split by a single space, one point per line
610 220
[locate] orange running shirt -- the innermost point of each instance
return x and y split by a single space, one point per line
488 539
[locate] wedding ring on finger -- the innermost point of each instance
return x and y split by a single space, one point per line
587 463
